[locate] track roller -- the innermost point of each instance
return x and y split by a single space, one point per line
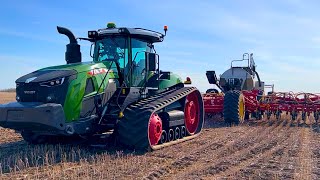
171 135
163 138
177 133
183 131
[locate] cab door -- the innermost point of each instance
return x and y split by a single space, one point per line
139 70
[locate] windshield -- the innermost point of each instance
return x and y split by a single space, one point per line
111 49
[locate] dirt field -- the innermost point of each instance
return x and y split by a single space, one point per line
282 149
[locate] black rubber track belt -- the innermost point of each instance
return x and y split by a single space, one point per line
231 107
132 129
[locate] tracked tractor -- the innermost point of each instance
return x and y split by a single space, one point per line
237 93
121 92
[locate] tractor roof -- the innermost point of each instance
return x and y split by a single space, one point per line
148 35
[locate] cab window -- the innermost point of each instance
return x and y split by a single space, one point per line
112 49
139 48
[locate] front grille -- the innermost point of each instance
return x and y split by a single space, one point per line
33 92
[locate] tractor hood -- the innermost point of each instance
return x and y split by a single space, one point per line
45 75
55 72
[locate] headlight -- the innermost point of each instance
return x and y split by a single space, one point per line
55 82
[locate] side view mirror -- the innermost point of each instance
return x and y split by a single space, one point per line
91 48
151 61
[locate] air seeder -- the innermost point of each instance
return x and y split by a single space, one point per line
122 91
241 95
238 94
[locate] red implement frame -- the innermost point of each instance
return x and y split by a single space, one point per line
273 104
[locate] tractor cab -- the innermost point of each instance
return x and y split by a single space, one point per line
131 50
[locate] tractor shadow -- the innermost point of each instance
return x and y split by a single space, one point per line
19 155
218 122
214 123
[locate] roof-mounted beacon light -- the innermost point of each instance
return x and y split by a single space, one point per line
165 28
111 25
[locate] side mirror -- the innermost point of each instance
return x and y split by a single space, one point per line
91 48
151 60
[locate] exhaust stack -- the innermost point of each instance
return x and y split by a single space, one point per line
73 53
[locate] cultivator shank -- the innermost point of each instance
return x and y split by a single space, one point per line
272 105
304 104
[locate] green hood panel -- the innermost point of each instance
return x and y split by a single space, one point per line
76 90
173 80
81 67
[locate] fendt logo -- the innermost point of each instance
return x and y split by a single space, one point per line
30 79
29 92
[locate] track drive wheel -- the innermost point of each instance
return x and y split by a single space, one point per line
234 107
192 113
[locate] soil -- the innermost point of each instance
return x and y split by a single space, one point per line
264 149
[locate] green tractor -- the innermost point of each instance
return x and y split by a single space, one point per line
121 92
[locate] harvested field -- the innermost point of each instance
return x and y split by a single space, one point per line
7 97
267 149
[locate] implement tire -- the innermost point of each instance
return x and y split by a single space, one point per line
233 107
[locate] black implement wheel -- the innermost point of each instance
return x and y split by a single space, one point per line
212 91
278 115
234 107
303 116
269 113
316 116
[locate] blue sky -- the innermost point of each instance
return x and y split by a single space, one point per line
203 35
